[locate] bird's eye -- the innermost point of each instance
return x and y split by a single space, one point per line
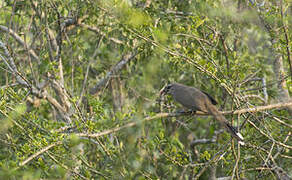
168 87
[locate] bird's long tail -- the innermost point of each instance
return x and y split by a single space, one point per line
219 117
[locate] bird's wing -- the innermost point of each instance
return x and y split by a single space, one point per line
213 101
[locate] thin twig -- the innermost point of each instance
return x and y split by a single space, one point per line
272 139
87 70
65 167
39 152
286 38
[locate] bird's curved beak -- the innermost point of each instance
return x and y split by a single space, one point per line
163 91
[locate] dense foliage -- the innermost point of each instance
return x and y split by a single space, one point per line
71 69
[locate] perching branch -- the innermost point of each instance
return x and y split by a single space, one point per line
163 115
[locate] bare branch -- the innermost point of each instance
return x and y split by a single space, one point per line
118 67
20 41
35 91
11 65
259 108
206 141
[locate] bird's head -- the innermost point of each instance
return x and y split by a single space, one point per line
168 89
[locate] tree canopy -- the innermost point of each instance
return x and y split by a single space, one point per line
80 84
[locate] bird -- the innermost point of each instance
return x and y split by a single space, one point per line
197 100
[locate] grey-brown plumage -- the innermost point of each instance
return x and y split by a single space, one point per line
195 99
